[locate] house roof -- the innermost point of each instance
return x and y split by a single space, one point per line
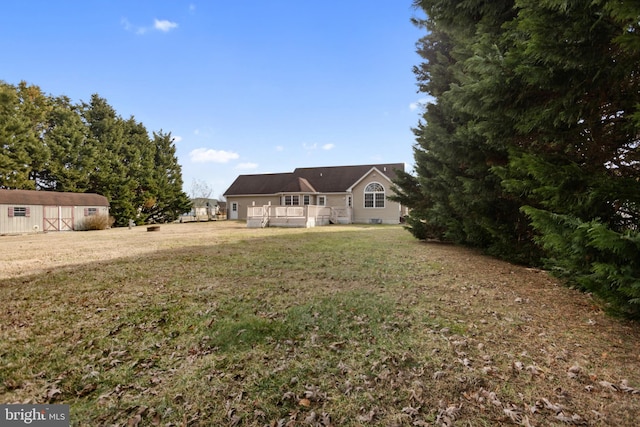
298 185
330 179
51 198
203 201
260 184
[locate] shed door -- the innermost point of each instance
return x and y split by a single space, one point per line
58 218
234 211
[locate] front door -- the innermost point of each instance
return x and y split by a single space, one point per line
234 211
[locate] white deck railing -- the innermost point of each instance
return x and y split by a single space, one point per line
301 216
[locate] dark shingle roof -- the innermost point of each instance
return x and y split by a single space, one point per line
331 179
51 198
298 185
335 179
259 184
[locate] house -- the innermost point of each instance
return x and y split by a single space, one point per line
202 209
316 196
28 211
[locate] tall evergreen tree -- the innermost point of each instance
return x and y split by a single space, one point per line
137 154
22 112
110 174
51 144
170 200
72 150
34 106
575 160
140 176
533 136
14 158
460 198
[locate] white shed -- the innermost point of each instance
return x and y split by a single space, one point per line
28 211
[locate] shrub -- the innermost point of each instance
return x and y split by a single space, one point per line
95 222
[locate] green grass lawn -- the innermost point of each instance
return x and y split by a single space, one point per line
342 326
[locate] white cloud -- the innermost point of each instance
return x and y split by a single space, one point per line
204 155
177 138
164 25
192 7
279 148
246 166
420 103
160 25
314 146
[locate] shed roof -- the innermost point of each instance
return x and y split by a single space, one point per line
51 198
330 179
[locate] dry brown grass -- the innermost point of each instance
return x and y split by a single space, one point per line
215 324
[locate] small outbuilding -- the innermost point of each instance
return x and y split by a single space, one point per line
202 209
28 211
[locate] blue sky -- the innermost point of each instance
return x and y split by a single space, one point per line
245 87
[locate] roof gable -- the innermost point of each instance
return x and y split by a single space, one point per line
298 185
338 179
330 179
363 177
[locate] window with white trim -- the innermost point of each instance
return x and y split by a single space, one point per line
322 200
306 200
291 200
374 195
90 211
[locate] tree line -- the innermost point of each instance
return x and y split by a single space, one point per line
50 143
530 147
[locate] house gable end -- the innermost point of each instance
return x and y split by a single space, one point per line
370 172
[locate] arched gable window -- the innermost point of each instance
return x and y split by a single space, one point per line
374 195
